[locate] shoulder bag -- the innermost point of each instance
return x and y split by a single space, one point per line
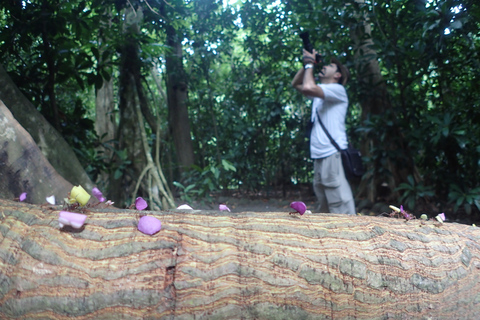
351 157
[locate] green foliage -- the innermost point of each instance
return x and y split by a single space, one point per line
122 163
200 183
464 197
429 58
240 59
187 193
412 192
46 48
243 90
383 130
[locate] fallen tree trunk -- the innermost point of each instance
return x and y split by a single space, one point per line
211 265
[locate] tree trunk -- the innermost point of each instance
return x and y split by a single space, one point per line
23 168
104 116
375 101
216 265
105 126
51 143
137 161
130 159
177 96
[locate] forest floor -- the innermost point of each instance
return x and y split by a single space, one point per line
273 201
279 201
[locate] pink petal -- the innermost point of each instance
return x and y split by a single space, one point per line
98 194
149 225
442 216
223 207
23 196
299 206
140 204
76 220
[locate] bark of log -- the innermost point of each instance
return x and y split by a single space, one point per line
211 265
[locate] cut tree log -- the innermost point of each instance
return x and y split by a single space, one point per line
217 265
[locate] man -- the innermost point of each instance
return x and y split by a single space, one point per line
330 103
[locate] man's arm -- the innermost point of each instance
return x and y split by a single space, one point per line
309 87
304 80
297 81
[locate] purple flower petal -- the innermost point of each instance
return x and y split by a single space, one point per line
140 204
442 216
223 207
76 220
149 225
298 206
23 196
98 194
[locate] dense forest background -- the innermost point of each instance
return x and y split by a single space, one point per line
191 98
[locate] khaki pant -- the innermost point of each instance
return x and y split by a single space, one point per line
331 187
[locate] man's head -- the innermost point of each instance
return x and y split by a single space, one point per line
345 74
335 72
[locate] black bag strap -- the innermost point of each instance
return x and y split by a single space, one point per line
327 133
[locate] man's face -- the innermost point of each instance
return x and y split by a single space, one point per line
329 70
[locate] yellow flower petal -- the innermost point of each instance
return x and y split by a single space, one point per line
78 194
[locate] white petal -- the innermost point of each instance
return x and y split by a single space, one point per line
64 221
51 200
185 207
394 208
76 225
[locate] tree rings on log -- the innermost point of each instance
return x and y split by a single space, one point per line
221 265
